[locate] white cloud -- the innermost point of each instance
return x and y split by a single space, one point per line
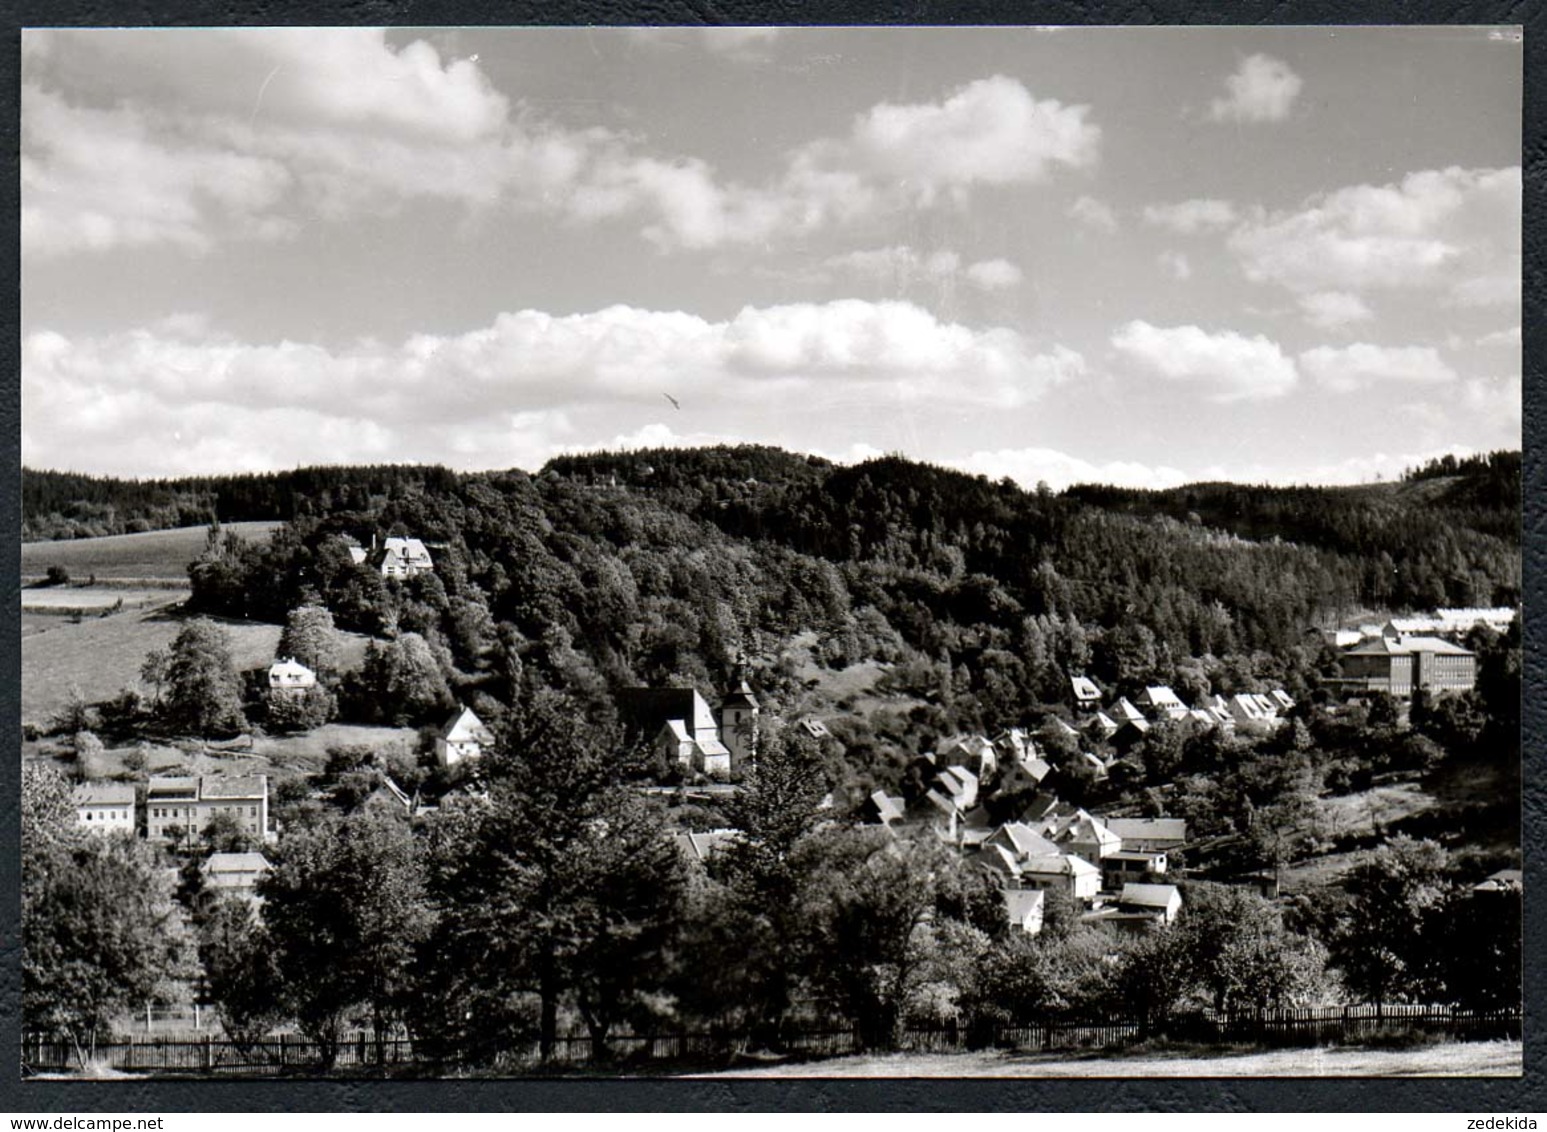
96 179
1510 337
1176 265
1093 214
1498 400
197 136
1192 216
1348 368
989 132
1224 366
1031 466
1453 230
1263 89
1331 310
246 133
180 398
900 267
738 44
994 274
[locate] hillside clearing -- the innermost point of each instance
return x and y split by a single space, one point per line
279 756
62 601
101 655
1455 1059
153 554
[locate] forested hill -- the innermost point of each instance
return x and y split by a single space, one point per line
1480 494
610 568
58 505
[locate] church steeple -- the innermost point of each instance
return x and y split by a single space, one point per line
738 717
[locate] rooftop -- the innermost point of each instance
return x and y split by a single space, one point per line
234 786
1406 646
1149 895
104 794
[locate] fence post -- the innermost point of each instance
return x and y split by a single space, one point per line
209 1052
281 1051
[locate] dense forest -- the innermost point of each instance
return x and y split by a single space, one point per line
611 569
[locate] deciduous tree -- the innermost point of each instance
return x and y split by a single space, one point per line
345 907
203 693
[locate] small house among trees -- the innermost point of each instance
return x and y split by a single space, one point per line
290 675
402 558
464 736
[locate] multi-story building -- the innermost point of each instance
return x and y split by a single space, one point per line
105 807
1401 665
184 806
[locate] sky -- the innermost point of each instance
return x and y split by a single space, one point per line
1137 256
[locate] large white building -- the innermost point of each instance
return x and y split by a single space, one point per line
105 807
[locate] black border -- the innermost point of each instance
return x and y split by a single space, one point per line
1474 1096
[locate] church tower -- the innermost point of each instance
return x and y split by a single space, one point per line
738 719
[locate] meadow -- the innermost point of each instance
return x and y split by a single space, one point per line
161 555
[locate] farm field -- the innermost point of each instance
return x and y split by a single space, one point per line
1455 1059
153 554
100 655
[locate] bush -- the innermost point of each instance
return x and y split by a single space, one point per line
287 711
1403 1037
56 576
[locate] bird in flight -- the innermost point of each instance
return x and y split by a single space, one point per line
675 404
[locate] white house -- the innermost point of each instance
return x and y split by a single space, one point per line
680 724
1123 712
105 807
1088 837
1023 908
234 874
1086 695
463 737
1162 901
1148 834
1079 878
1161 702
290 675
403 558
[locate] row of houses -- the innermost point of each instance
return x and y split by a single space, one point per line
1125 721
1110 867
176 807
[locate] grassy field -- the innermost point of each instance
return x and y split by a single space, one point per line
1455 1059
280 756
64 601
100 655
154 554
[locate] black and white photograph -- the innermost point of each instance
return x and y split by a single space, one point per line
770 552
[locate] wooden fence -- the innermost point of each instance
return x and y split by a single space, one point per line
290 1055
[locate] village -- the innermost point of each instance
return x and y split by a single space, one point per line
992 800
